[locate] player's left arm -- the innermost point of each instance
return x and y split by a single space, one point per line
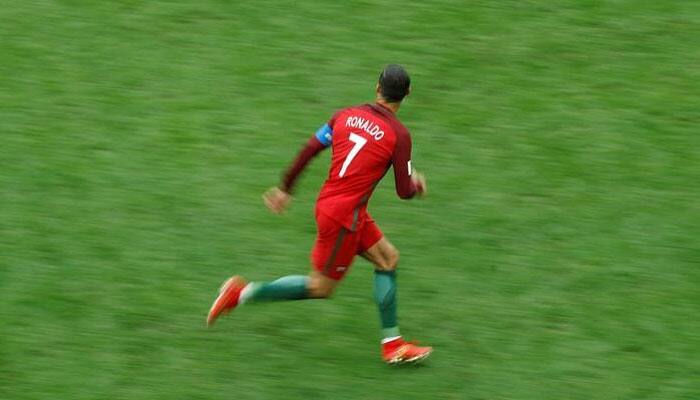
317 143
277 198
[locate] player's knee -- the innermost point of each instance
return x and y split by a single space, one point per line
390 261
317 290
394 259
320 293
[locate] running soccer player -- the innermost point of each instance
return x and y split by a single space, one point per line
366 140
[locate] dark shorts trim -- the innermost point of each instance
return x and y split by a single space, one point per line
334 253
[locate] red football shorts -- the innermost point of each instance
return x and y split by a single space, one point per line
336 246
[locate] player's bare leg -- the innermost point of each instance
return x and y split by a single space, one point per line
321 286
395 350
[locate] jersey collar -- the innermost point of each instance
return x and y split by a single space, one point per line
383 110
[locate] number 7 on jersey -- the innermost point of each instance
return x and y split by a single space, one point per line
359 143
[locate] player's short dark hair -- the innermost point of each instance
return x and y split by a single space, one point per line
394 83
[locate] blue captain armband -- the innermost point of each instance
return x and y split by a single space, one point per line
325 135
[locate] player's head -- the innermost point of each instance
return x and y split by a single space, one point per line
394 83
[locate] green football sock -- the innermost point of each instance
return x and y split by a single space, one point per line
385 296
292 287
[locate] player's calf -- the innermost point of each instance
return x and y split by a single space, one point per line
236 291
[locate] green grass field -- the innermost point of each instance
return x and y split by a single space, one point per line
556 256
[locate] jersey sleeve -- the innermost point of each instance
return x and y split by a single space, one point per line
306 154
401 161
324 134
321 139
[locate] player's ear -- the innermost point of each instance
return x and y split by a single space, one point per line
378 88
409 91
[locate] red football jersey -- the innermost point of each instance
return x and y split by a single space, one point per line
366 140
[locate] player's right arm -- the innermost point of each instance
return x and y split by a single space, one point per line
277 198
317 143
408 183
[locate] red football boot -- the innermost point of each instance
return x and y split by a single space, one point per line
229 294
398 351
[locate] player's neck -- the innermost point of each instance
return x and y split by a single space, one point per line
393 107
